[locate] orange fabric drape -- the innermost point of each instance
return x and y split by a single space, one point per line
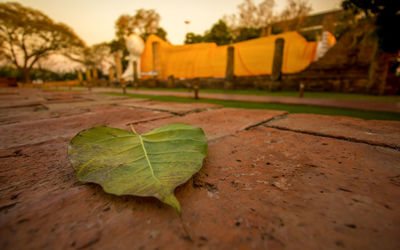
252 57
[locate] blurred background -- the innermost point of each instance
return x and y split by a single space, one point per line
318 46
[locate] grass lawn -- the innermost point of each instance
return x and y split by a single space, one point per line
368 115
331 95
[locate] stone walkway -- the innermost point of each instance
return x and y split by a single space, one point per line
271 180
321 102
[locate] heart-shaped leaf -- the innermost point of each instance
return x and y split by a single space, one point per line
126 163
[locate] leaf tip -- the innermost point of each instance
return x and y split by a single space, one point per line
173 202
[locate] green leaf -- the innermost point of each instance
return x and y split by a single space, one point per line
126 163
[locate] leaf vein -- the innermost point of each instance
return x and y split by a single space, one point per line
147 158
173 152
177 139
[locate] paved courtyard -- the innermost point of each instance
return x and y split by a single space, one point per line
271 180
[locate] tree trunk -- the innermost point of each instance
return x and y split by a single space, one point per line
27 75
378 71
384 63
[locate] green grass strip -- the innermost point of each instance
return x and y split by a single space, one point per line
307 94
329 95
367 115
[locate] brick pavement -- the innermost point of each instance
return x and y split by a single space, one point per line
270 180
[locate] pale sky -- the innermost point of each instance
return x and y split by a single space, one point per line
93 20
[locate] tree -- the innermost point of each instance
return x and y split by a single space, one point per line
28 35
146 21
97 56
247 34
161 33
294 14
250 16
265 13
191 38
123 26
385 14
219 34
143 23
360 6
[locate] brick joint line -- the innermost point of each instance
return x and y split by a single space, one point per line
335 137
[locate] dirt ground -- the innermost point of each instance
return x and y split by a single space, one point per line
271 180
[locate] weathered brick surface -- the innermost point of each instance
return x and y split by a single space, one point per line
260 187
385 133
173 107
219 122
36 131
56 106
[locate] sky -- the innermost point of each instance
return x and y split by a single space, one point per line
93 20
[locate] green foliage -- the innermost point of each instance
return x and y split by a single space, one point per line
36 74
151 164
161 33
276 29
247 33
219 34
117 44
387 18
191 38
10 72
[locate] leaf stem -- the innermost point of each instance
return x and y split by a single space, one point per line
133 130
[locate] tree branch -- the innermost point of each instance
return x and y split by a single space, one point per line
14 57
